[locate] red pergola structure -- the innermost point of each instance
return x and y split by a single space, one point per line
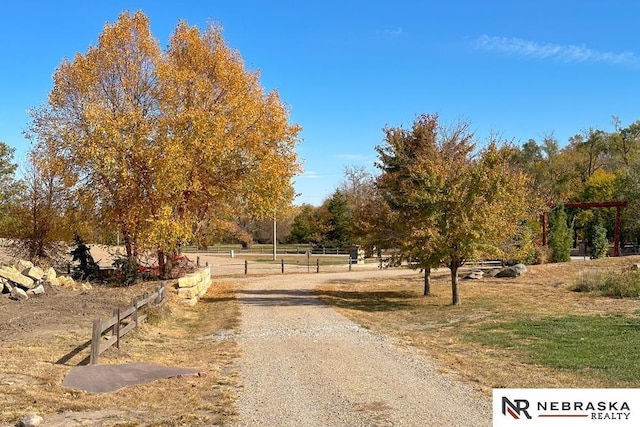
616 233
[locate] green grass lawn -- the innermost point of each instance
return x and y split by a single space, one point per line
606 346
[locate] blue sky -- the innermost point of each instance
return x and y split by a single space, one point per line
346 69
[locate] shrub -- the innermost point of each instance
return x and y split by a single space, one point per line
542 255
611 284
599 242
560 236
129 268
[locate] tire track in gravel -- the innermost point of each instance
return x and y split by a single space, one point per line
304 364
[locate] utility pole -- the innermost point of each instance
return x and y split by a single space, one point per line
275 229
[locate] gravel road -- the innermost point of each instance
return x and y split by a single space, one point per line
304 364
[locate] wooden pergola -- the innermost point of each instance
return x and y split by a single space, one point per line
583 205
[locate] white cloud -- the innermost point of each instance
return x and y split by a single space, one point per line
309 175
394 33
564 53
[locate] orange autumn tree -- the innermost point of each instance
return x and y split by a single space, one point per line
159 144
454 202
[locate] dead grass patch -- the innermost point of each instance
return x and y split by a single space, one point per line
30 378
397 308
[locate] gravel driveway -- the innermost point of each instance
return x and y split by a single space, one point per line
304 364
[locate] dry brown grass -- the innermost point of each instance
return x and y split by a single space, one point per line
30 378
396 307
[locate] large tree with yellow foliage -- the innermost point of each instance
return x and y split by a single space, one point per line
159 144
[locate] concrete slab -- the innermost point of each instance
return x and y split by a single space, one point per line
106 378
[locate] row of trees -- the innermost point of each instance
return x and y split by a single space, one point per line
440 199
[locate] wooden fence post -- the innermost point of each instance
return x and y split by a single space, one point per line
134 304
317 265
146 305
116 326
96 335
282 266
246 266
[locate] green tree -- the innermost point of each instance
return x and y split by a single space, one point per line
456 203
624 143
308 226
340 221
599 242
589 151
560 235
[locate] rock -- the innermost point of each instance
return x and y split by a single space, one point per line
16 277
22 265
51 277
19 294
474 275
634 267
492 272
66 281
512 271
31 420
34 273
38 290
521 268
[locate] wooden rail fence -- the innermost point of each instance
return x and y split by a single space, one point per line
123 321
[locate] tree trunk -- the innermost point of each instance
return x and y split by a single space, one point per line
161 265
427 281
453 266
128 244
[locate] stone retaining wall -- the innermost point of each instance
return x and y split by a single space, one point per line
192 286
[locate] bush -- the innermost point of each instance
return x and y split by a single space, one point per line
129 268
560 236
542 255
611 284
599 242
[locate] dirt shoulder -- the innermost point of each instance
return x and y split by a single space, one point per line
36 334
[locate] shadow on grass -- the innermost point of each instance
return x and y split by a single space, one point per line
213 300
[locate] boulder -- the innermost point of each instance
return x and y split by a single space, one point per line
492 272
474 275
521 268
34 273
51 277
10 273
66 281
513 271
19 294
31 420
22 265
38 290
